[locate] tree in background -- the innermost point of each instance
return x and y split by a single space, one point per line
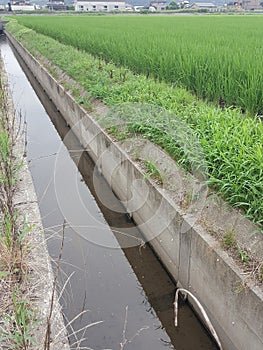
172 6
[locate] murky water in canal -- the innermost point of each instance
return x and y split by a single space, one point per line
128 290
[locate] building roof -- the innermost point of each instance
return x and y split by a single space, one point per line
203 4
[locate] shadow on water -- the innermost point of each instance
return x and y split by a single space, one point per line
104 280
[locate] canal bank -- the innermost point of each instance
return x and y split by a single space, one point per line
193 257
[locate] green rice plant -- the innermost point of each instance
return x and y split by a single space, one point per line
216 57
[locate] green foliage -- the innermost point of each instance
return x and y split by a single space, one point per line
22 323
216 57
232 142
243 255
119 134
23 231
229 240
7 230
172 6
152 170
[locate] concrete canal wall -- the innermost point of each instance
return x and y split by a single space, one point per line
194 258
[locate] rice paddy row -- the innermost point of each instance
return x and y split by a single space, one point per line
218 58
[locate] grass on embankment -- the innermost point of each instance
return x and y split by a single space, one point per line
232 142
17 315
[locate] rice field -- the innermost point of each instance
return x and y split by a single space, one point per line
218 58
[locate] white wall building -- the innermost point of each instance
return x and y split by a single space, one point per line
209 6
98 5
23 7
251 4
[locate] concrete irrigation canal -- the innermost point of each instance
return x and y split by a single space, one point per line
127 289
112 279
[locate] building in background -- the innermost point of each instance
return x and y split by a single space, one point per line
206 6
54 5
251 4
159 5
22 5
99 5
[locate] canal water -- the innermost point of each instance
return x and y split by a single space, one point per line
128 290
